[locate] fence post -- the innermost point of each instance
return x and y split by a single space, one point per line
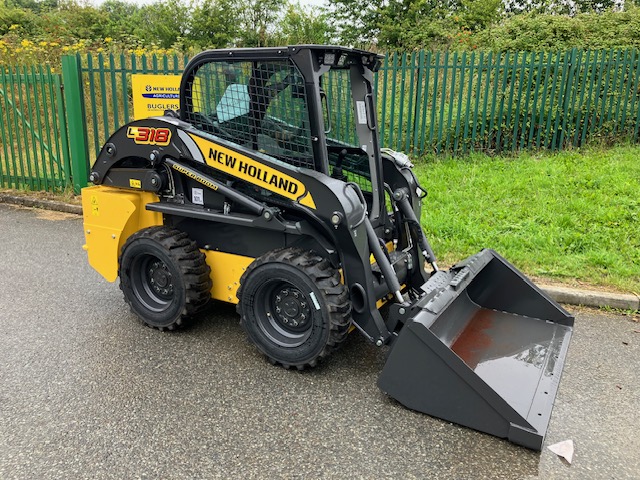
78 141
61 123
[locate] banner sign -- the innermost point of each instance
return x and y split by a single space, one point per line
153 94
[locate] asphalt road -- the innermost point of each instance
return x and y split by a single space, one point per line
87 391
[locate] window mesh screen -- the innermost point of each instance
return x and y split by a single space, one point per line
260 105
342 135
339 117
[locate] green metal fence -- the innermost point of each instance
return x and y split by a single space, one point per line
500 102
34 150
448 102
428 102
107 93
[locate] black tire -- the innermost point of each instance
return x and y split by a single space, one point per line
293 307
164 277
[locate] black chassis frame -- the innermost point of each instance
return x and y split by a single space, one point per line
236 220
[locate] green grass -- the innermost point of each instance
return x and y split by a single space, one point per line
567 216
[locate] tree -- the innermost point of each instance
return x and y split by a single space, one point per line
25 20
406 24
561 7
122 19
301 27
214 24
356 21
258 19
597 6
479 14
164 23
79 21
36 6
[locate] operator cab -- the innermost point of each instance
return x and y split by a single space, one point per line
307 106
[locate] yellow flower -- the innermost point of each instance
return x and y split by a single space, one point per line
25 43
13 27
108 40
43 44
66 48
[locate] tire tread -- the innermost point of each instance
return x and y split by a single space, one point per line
192 265
327 279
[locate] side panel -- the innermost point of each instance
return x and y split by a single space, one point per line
111 215
226 270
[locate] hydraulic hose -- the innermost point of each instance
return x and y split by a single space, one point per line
383 262
401 197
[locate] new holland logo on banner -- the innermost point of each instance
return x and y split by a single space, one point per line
153 94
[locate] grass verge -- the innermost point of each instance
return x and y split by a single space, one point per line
66 196
571 216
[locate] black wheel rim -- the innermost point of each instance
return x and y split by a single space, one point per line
283 313
152 283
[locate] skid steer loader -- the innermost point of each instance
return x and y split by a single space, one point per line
268 189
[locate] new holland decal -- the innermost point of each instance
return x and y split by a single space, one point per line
251 170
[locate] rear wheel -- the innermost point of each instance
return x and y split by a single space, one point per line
164 277
294 307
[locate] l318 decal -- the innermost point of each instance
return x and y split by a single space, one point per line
150 136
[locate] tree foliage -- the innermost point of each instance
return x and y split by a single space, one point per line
357 22
469 24
536 32
258 18
31 28
163 23
297 27
562 7
214 24
43 29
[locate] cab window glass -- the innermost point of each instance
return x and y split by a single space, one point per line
260 105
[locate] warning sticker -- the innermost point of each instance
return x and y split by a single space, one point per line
362 112
95 210
197 196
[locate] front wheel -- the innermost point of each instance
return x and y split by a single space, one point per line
164 277
294 307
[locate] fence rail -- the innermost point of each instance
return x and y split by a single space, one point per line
428 102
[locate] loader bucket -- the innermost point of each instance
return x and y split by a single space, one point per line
484 348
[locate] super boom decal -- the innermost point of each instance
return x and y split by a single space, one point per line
246 168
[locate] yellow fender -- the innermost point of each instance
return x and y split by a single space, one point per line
111 215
